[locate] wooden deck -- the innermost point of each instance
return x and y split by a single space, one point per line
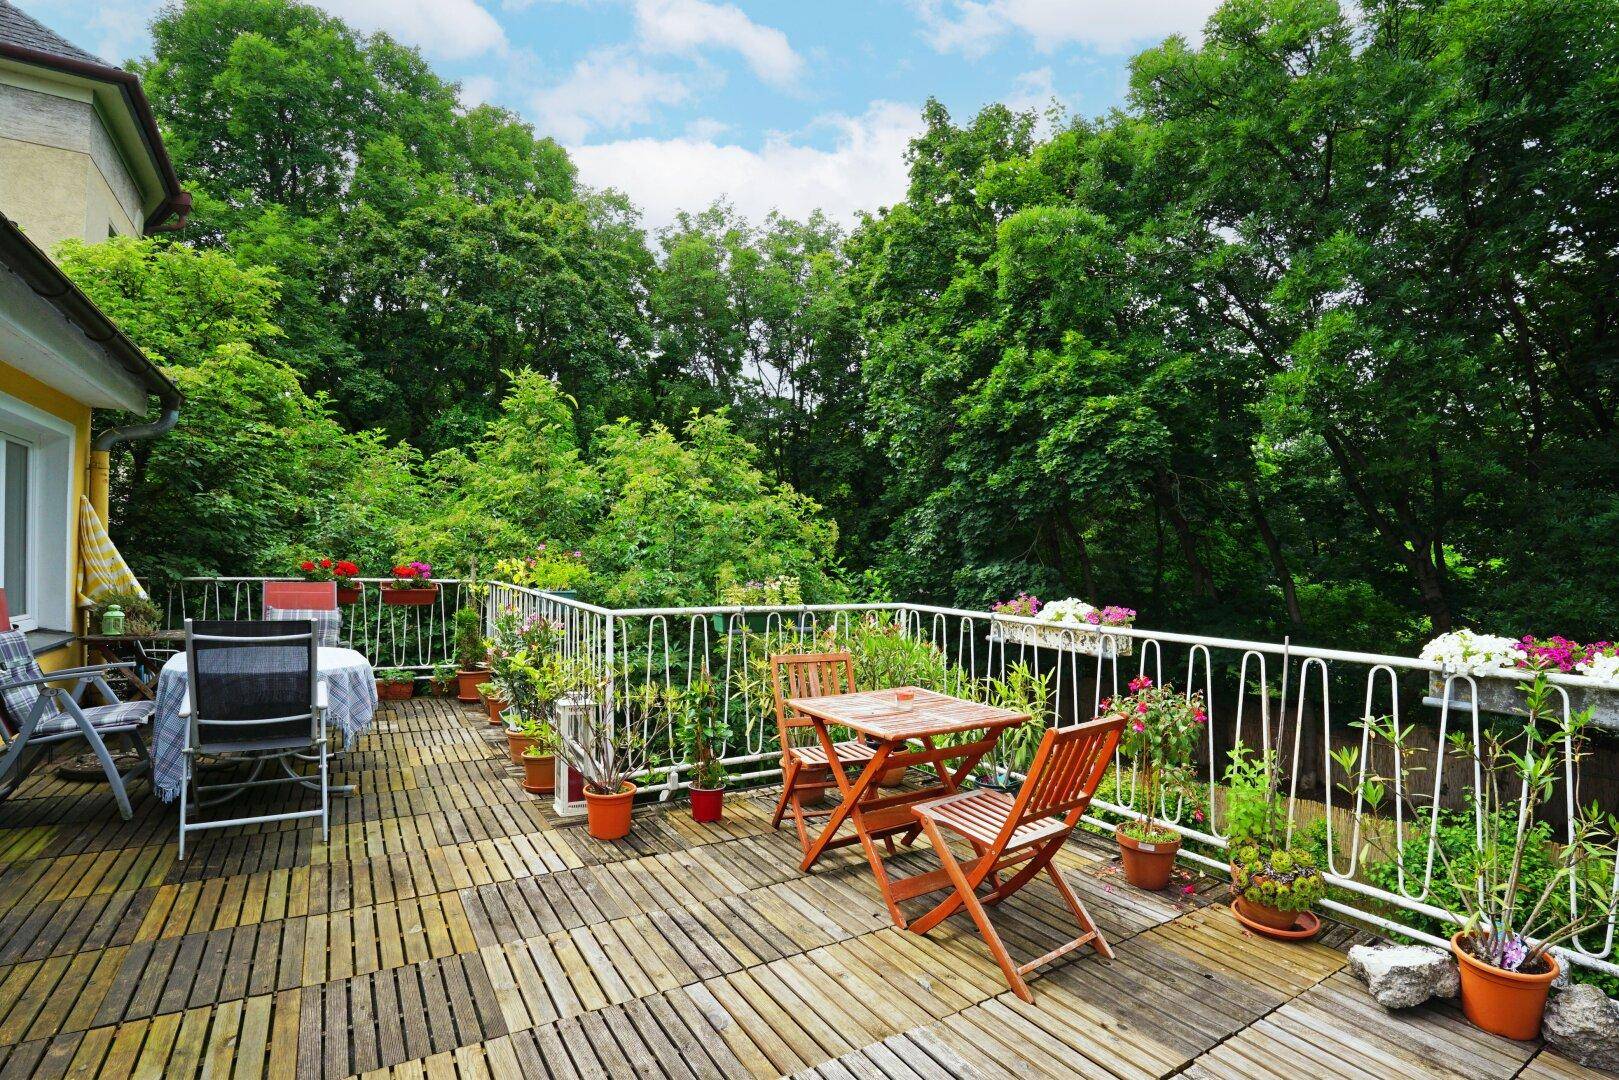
452 928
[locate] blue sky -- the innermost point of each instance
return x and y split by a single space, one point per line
779 105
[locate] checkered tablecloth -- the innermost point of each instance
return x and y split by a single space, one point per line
351 695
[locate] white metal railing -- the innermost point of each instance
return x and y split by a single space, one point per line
414 637
1266 695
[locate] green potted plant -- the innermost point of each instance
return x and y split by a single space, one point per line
1508 927
411 585
1161 730
701 730
471 653
494 700
533 745
606 754
395 684
1276 886
443 678
533 683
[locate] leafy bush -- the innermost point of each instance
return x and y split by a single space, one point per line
470 647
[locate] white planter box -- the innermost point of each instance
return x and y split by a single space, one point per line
1080 639
1502 694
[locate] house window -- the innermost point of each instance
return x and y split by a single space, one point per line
38 518
17 512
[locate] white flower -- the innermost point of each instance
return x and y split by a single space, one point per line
1069 612
1601 667
1465 652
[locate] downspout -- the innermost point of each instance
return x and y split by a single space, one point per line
101 449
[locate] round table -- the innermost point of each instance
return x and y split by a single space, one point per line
351 693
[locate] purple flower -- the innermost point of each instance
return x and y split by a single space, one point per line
1513 952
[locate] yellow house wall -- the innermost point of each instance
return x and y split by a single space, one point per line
31 391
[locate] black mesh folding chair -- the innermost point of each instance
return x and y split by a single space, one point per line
254 693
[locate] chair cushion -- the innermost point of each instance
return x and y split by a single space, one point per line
328 622
120 714
17 662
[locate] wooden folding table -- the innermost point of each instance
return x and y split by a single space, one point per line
894 725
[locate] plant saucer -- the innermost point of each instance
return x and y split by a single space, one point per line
1305 927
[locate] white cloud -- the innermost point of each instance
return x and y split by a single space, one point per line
686 26
447 29
864 169
478 90
608 89
973 27
1032 90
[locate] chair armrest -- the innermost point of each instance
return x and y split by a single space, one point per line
185 706
65 673
322 697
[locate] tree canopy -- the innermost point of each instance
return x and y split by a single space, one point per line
1313 334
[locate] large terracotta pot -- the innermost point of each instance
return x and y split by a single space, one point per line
609 815
516 743
539 775
348 596
1147 866
1503 1003
394 691
466 685
408 597
707 803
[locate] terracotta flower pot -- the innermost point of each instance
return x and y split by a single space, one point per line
707 803
892 777
1501 1002
495 707
394 691
1275 918
466 685
348 596
408 597
516 743
1147 866
539 776
609 815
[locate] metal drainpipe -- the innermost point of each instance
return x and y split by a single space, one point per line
100 450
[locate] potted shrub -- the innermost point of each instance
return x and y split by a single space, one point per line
471 653
395 684
1508 925
553 568
701 731
443 678
606 754
1161 731
783 590
411 585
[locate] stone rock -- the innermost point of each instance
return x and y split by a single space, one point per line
1564 966
1400 976
1582 1023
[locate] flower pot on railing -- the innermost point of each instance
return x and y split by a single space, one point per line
755 622
707 804
1504 694
1505 1003
609 815
1088 640
412 597
349 595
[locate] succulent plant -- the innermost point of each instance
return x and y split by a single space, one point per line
1283 878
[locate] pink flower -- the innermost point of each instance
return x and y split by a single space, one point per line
1197 816
1142 707
1188 890
1138 726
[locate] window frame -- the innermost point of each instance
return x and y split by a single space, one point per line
51 516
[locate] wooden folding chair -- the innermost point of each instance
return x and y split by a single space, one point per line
804 768
1025 832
